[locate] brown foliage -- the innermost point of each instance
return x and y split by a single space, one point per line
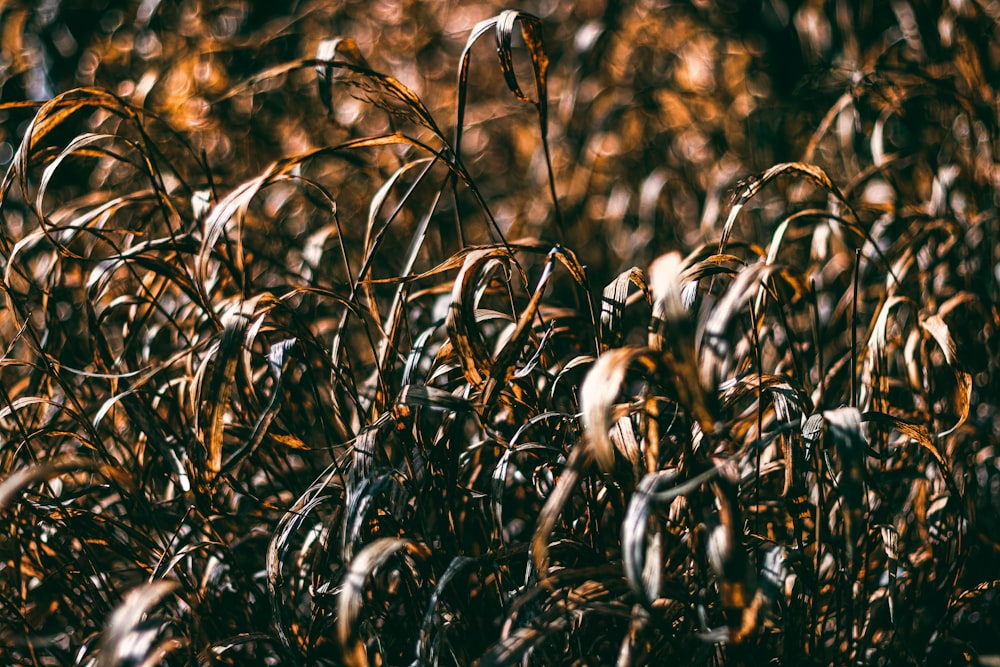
416 333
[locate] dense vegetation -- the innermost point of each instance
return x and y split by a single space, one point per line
668 337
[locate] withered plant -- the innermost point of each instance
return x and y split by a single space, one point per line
392 382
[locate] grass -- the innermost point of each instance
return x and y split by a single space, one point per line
326 373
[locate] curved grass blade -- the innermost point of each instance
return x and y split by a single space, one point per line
752 186
717 338
428 651
878 343
51 115
129 637
478 31
941 333
573 595
642 557
232 209
351 598
277 359
463 329
913 431
672 334
738 592
214 397
614 299
599 394
579 459
890 541
277 548
502 368
531 30
327 51
24 477
844 428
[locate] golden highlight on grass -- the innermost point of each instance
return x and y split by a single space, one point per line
306 365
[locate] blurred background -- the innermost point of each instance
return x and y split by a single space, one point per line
657 109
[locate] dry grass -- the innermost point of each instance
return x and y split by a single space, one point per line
305 365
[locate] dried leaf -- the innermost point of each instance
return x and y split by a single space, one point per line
938 329
351 597
127 637
599 394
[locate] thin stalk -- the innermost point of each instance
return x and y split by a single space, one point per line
854 330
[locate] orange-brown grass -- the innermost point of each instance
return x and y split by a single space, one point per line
345 401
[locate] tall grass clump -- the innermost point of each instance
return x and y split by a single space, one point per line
552 365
